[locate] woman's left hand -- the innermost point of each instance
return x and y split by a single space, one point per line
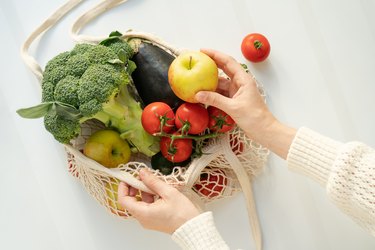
165 214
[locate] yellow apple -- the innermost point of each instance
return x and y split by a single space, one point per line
114 205
191 72
107 148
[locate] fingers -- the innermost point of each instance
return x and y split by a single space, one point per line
155 184
130 203
148 198
227 63
214 99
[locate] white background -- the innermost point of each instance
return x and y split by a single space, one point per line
320 74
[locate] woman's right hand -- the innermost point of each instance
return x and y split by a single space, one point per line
239 97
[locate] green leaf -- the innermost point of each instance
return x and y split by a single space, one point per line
131 67
35 111
116 61
67 111
122 55
115 35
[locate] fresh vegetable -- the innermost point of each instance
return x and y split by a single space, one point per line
159 162
91 82
211 184
191 118
255 47
107 148
219 121
151 75
190 72
236 144
158 117
176 150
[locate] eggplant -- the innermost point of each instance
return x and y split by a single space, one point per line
151 75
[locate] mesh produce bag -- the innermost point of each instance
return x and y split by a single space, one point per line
228 164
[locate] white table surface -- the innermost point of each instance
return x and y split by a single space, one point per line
320 74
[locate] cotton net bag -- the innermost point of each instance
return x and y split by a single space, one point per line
227 166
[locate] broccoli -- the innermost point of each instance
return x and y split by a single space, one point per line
91 82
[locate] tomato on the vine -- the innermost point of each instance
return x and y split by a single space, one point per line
255 47
156 113
219 121
236 144
177 151
211 184
192 118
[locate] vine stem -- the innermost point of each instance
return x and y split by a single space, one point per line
194 137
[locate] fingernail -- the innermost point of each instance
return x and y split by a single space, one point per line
143 172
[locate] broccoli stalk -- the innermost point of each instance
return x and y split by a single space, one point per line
92 82
124 114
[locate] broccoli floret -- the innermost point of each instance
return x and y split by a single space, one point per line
61 128
77 65
118 45
91 82
81 48
66 91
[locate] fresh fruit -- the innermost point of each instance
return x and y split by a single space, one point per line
154 115
255 47
107 148
211 184
219 121
192 118
191 72
177 150
236 144
111 191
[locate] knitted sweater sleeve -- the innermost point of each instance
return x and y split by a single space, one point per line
346 170
199 233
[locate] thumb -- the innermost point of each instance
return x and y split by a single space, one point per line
156 185
215 99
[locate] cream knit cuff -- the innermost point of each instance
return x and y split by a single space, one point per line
199 233
312 154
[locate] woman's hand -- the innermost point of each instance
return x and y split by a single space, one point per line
239 97
165 213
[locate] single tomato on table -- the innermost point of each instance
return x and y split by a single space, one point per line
219 121
157 117
177 150
192 118
255 47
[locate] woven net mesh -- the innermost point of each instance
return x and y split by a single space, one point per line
210 176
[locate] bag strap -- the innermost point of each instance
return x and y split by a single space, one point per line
51 21
88 16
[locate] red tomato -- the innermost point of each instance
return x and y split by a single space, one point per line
255 47
236 145
219 120
211 184
152 116
193 117
178 151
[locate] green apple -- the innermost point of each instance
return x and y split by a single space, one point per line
191 72
107 148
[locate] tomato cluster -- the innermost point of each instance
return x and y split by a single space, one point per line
180 132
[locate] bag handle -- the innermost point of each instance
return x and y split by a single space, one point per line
99 9
88 16
51 21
